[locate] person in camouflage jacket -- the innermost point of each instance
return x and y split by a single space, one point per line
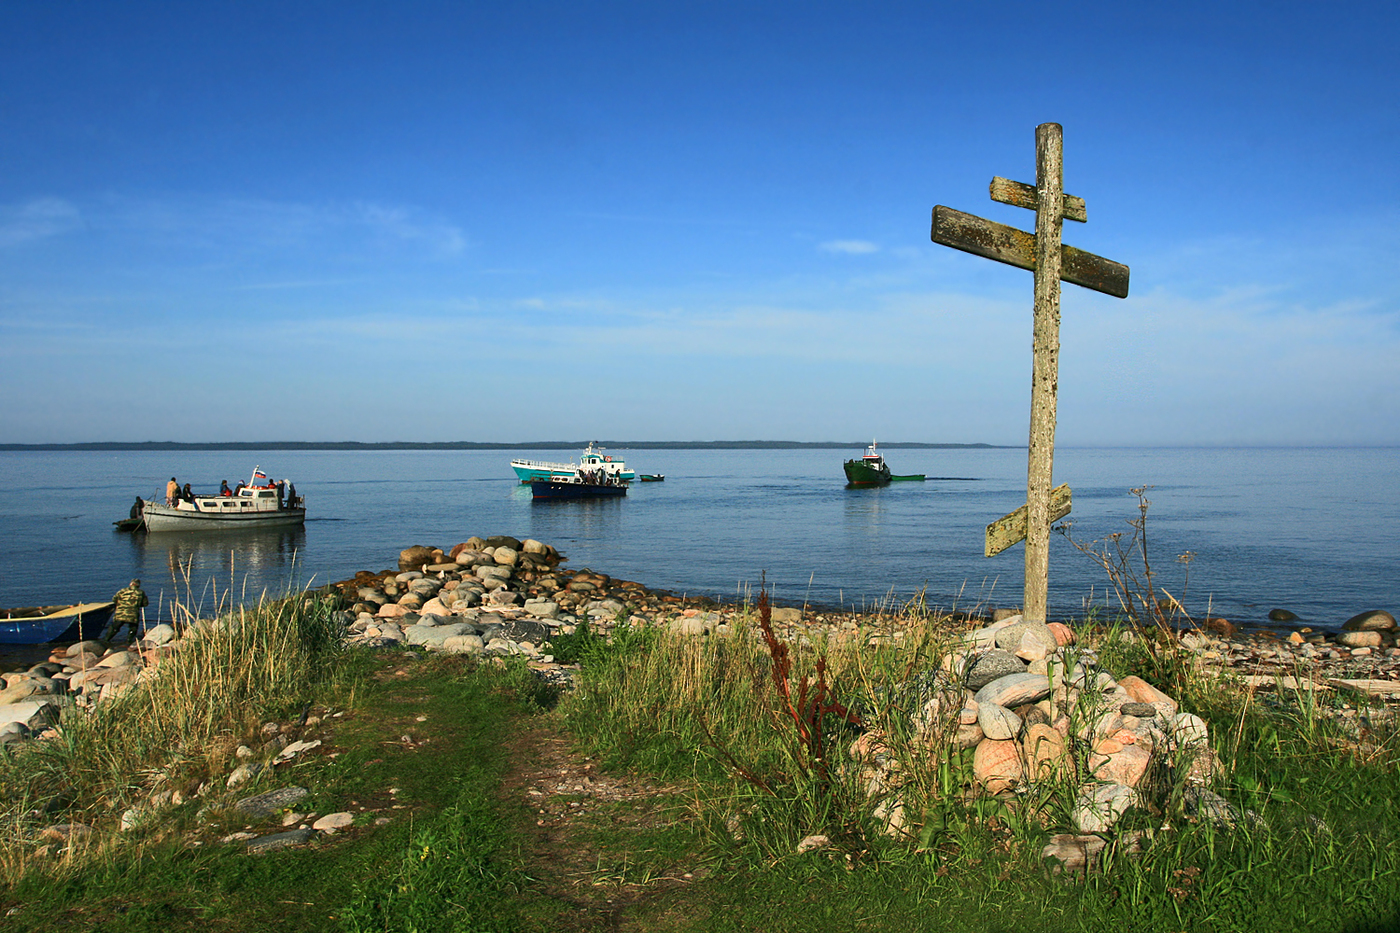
130 600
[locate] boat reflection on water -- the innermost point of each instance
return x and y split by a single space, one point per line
864 513
574 521
209 572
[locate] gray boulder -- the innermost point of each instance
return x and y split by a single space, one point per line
526 630
997 722
1014 690
261 806
991 665
1100 806
1372 620
295 837
463 644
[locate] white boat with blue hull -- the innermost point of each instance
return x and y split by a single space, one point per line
593 460
260 504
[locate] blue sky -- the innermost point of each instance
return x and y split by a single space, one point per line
422 222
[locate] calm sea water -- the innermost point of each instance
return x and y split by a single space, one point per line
1316 531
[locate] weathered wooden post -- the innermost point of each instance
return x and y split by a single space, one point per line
1050 261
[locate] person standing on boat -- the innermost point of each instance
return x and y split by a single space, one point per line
172 491
224 490
130 600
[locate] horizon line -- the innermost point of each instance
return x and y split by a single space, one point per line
483 445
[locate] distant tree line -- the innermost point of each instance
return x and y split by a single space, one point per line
480 445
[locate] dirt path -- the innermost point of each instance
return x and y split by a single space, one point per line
589 837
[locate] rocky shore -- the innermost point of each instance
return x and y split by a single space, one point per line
502 596
1007 689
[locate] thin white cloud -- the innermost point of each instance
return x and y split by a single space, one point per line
849 247
36 220
405 224
278 286
567 304
242 226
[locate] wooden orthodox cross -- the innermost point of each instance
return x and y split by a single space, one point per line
1050 261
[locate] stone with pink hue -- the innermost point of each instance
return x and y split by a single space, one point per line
1045 753
1142 692
1125 766
435 607
968 736
997 765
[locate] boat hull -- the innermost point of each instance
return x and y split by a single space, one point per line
164 518
70 623
546 489
860 474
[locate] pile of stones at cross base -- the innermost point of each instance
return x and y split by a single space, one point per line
1030 704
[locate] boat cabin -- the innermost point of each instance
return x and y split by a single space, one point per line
247 499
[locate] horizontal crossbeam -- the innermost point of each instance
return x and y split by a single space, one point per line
1019 194
987 238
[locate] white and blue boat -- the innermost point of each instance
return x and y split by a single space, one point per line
593 460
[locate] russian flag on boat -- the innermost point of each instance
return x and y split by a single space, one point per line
259 474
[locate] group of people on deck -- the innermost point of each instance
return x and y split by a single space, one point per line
174 494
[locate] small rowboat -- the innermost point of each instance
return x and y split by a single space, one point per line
652 477
36 625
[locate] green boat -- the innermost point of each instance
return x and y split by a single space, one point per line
871 470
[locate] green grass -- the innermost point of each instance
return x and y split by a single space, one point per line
449 867
1326 857
716 850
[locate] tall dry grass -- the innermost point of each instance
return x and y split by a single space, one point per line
708 708
176 726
